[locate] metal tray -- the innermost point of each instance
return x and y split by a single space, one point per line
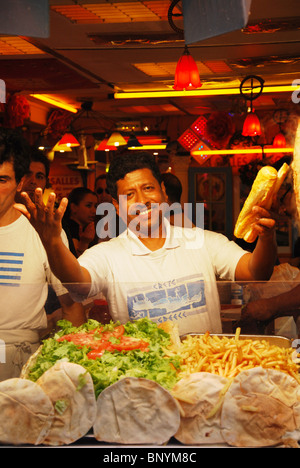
276 340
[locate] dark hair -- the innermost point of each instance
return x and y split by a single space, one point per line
127 162
37 156
14 148
100 177
173 186
76 196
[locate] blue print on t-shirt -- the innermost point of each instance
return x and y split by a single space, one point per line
11 268
172 300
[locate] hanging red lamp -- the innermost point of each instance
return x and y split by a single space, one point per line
68 140
279 141
251 125
186 73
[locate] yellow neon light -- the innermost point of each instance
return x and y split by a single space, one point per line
54 102
198 92
147 147
243 151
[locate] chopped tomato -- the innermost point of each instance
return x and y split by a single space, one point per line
80 339
127 343
99 341
95 353
116 333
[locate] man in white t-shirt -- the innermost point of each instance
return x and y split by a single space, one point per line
153 269
24 266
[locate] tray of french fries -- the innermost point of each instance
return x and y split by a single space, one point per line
228 354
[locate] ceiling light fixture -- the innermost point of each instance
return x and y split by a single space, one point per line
280 117
279 141
133 142
252 150
197 92
68 140
54 102
251 125
149 147
186 73
116 139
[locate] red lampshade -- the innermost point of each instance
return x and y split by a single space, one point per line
251 125
186 74
69 140
279 141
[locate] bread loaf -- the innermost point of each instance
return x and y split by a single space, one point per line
264 188
296 172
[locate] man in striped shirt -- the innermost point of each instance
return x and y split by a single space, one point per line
24 267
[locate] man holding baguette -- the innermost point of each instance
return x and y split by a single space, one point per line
153 269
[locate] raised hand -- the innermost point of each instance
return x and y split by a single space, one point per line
45 218
264 225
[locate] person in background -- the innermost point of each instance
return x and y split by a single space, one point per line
79 219
25 271
152 269
101 189
173 188
56 307
108 223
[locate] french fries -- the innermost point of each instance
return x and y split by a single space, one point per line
227 356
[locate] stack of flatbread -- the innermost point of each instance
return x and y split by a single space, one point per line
57 409
259 408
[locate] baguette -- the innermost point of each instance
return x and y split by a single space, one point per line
265 186
296 173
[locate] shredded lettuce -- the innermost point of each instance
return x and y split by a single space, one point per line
111 367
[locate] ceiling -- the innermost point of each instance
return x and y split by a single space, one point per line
96 48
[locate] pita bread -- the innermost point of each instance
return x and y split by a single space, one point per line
198 395
261 408
30 363
71 390
26 412
136 411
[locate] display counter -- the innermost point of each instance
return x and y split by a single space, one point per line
148 386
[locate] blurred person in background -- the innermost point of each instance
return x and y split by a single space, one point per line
80 217
108 223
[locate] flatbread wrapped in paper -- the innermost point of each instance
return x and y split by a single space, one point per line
200 396
261 408
136 411
26 412
71 390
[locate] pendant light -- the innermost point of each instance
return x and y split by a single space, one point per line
280 116
186 74
251 126
279 141
116 139
68 140
133 142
